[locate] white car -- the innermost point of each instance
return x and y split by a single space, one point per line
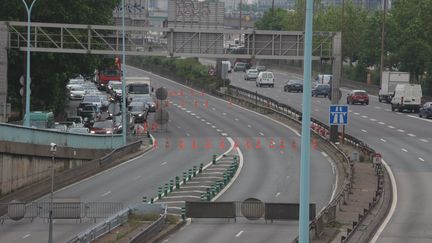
73 82
94 99
251 74
76 92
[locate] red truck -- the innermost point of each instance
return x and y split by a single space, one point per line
108 74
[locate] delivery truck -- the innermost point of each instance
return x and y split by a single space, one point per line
389 80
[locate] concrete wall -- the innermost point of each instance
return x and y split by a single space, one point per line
22 164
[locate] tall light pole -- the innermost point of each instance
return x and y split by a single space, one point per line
382 40
124 121
27 110
305 135
240 23
53 149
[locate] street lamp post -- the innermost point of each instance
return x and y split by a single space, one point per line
124 127
53 149
27 110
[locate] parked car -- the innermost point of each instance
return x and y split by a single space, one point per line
251 74
103 127
76 92
138 111
80 130
426 110
321 90
294 85
358 96
240 66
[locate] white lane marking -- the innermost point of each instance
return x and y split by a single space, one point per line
411 135
249 126
106 193
164 163
224 134
319 101
208 123
25 236
393 205
193 114
387 109
400 130
421 159
198 117
183 109
136 178
218 130
260 133
378 108
316 110
203 120
324 154
187 134
239 233
372 119
382 123
363 130
178 127
175 104
213 126
188 111
224 114
404 149
350 111
382 139
399 113
277 194
424 140
419 118
364 116
356 113
213 108
391 127
236 119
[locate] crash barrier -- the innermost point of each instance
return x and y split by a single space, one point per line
251 209
102 228
321 131
61 208
70 176
150 231
20 134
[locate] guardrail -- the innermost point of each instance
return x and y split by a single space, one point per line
149 232
20 134
321 130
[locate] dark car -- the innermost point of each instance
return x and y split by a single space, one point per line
294 85
358 96
426 110
321 90
240 66
148 101
81 107
103 127
138 111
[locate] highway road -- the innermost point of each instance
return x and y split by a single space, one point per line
271 175
403 139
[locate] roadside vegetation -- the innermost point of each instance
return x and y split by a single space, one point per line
408 39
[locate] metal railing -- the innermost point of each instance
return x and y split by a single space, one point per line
150 231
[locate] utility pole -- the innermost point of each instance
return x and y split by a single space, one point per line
240 23
382 39
272 6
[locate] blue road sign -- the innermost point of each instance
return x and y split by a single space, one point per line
338 115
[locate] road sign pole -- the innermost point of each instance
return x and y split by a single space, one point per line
305 138
123 74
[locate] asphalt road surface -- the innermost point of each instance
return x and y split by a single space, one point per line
403 139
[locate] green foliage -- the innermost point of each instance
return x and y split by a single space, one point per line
50 71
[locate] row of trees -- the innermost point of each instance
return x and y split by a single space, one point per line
50 71
408 39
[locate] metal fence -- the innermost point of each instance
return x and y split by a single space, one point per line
61 210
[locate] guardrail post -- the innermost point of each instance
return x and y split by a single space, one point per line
151 200
201 168
184 177
160 192
194 170
214 159
203 196
208 194
171 185
183 213
177 182
190 174
144 200
166 189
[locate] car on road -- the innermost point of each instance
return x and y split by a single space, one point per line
293 85
73 82
251 74
358 96
240 66
321 90
426 110
265 78
138 111
148 102
94 99
76 92
103 127
261 68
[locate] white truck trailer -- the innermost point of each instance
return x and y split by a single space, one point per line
389 80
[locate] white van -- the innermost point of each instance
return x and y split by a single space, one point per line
228 64
407 97
324 78
265 78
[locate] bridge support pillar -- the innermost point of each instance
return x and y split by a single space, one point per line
4 107
335 82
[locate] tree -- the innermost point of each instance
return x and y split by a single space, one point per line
50 71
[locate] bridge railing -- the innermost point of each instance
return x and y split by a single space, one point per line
20 134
